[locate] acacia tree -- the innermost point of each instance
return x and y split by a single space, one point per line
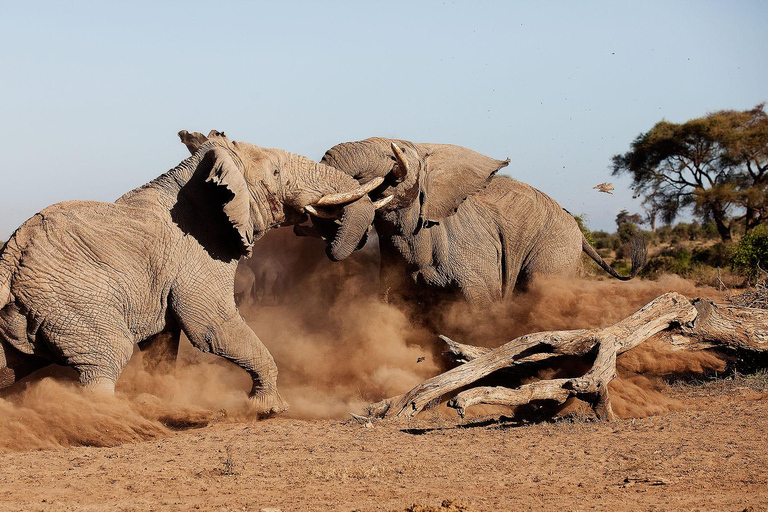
743 137
713 164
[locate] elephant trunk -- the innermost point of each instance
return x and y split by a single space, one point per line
355 221
365 159
316 181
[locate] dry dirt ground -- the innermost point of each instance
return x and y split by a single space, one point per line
710 455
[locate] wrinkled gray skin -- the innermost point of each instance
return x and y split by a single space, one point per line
81 282
453 226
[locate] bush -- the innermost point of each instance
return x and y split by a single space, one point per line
710 231
603 240
752 252
718 255
580 219
628 231
622 266
672 261
663 234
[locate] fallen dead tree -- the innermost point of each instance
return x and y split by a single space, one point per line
687 324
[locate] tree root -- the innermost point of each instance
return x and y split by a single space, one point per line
690 324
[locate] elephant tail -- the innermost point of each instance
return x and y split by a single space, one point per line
638 253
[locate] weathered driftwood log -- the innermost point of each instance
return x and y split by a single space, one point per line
692 324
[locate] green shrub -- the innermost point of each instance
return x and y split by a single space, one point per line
752 252
603 240
718 255
663 234
580 219
628 231
710 231
622 266
672 261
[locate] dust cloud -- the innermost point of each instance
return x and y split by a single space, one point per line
338 348
52 410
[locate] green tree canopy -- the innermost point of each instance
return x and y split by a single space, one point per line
743 138
715 165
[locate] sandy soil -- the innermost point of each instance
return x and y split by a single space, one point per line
708 456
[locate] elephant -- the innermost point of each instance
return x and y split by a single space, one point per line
268 274
256 282
244 284
452 226
81 282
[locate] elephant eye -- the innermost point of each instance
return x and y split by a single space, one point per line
275 172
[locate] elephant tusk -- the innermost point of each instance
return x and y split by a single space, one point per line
323 213
382 202
348 197
402 166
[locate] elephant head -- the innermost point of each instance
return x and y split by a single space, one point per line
265 188
432 179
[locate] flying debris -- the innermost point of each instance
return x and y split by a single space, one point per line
605 187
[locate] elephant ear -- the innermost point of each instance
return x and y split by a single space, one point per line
452 174
236 206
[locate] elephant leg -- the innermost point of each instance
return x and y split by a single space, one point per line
480 294
232 339
160 351
99 360
14 365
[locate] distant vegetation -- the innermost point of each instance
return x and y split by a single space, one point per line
689 249
716 169
751 254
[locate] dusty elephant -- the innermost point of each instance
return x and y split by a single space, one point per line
268 274
81 282
256 280
452 225
244 284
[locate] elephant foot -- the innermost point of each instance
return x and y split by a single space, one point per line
267 402
100 386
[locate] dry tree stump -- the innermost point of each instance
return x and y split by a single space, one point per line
689 324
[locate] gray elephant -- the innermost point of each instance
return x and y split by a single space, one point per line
81 282
244 285
268 273
452 225
256 281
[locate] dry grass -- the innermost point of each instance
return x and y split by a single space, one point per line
445 506
756 297
731 385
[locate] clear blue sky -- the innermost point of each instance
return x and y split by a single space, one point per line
93 93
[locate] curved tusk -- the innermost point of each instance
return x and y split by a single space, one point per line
348 197
321 212
402 165
382 202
